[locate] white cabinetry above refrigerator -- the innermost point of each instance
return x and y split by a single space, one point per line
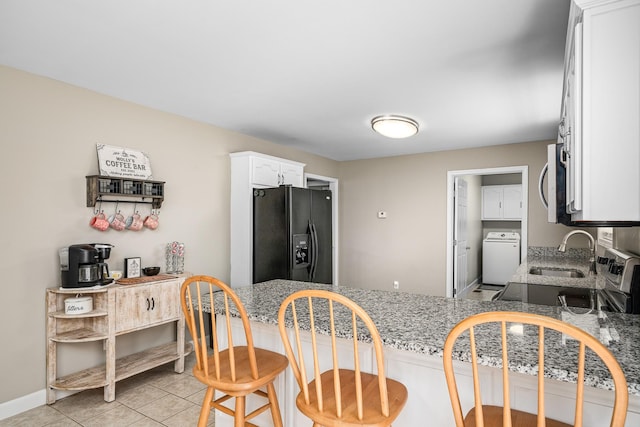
269 172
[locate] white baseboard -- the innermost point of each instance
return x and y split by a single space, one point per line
23 403
29 401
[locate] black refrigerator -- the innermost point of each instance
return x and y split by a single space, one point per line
292 234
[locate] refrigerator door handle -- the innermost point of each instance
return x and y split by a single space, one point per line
317 244
314 250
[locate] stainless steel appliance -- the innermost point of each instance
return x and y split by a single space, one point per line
292 234
562 198
84 265
548 295
555 199
621 271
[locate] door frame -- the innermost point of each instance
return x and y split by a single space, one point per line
524 171
333 186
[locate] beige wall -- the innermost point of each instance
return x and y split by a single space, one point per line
49 133
410 244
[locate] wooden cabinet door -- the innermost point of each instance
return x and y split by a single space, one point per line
164 302
131 307
144 305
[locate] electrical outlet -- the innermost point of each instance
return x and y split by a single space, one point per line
396 284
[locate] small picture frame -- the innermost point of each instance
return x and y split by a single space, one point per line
132 267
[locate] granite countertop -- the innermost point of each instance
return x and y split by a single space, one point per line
420 323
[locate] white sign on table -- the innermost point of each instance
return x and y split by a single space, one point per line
123 162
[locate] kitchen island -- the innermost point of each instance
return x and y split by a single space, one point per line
413 329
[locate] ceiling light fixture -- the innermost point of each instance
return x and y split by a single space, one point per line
393 126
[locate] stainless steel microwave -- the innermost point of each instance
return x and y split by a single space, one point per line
559 200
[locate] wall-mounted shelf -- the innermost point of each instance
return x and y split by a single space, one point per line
124 190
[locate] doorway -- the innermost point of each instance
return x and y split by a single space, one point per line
456 275
327 183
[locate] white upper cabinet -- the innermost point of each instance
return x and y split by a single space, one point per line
512 202
601 110
270 172
502 202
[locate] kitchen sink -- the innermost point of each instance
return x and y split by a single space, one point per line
557 272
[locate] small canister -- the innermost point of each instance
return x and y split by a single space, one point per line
78 305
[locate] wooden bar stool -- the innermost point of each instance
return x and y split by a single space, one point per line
237 370
337 396
485 326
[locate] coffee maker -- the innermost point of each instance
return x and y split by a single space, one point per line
84 265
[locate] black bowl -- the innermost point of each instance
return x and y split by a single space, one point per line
151 271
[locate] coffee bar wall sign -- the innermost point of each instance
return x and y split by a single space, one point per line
123 162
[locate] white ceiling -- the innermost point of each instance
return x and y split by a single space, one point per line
311 74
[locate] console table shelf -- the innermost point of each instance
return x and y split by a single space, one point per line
79 335
118 310
126 367
133 364
91 314
82 380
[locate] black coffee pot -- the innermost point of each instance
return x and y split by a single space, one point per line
83 265
104 250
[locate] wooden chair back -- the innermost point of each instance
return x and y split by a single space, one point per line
197 298
235 368
315 310
476 326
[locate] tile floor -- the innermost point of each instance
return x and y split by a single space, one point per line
480 294
159 397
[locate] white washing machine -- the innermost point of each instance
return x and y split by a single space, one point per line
500 257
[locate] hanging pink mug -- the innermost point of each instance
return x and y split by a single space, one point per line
134 222
151 222
116 221
99 222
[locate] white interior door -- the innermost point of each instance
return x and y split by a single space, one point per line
460 236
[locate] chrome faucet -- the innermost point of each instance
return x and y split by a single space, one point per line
592 248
